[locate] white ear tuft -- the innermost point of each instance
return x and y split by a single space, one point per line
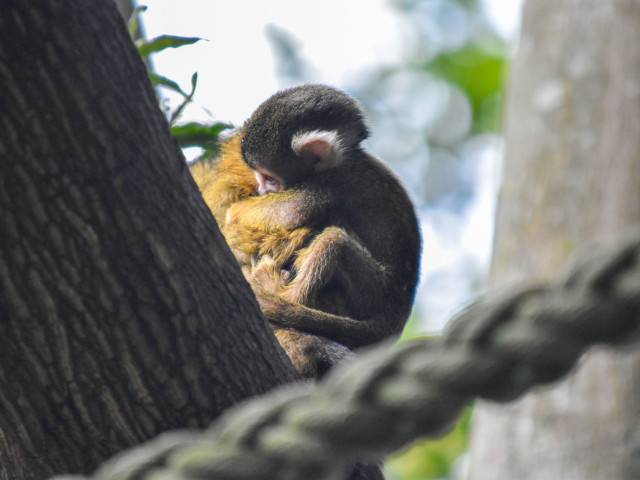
326 145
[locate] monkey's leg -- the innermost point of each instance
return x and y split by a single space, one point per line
335 256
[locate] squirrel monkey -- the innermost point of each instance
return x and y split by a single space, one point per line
228 181
334 234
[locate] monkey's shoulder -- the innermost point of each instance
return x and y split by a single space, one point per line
372 191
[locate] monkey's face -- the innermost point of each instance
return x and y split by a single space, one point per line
276 172
309 153
301 131
267 182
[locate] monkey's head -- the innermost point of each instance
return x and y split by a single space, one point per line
299 132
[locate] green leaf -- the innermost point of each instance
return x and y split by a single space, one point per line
147 47
178 111
196 134
194 82
157 79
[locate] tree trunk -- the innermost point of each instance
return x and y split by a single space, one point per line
122 312
572 177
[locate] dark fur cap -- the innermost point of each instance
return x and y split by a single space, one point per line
269 131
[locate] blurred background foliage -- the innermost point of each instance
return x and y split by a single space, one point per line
435 116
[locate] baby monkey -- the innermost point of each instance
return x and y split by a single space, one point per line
329 235
228 181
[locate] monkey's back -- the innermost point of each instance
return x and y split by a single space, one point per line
376 209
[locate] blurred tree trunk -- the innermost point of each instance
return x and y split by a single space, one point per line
572 177
122 312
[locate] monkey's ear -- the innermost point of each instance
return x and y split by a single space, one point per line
323 146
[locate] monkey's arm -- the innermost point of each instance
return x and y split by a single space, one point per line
288 210
336 257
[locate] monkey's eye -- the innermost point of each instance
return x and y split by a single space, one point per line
270 179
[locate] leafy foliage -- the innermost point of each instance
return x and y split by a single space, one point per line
187 99
196 134
158 44
205 136
162 81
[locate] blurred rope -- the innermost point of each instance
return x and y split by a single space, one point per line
496 349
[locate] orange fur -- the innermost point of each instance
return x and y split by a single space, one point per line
226 181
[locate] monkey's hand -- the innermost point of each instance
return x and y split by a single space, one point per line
267 277
267 281
244 241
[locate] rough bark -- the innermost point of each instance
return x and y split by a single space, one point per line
122 311
572 177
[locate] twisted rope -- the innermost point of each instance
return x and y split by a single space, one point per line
497 349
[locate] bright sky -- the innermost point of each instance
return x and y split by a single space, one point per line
236 65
